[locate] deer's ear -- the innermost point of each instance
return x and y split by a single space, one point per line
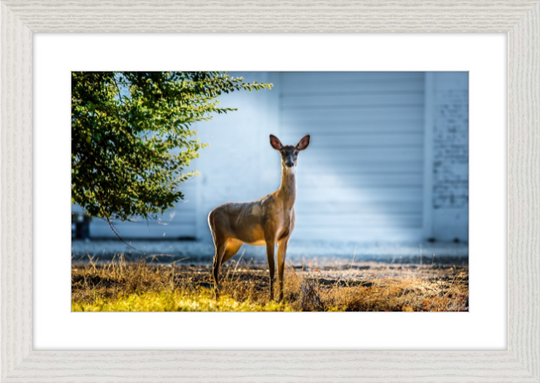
303 143
275 142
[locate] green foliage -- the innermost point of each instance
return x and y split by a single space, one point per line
131 137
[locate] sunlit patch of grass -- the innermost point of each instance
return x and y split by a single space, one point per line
202 300
124 286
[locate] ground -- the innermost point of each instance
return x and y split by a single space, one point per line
298 251
338 284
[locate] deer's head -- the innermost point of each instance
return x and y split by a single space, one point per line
289 153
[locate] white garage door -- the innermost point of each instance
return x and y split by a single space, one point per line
362 176
179 222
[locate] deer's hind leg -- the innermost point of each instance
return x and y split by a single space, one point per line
225 250
218 256
220 244
233 245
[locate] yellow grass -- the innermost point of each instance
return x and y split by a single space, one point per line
122 286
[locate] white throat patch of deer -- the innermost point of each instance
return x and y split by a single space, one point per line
268 221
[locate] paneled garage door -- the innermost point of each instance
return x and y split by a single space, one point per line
362 176
179 222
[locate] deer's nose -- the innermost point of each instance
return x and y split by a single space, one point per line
289 164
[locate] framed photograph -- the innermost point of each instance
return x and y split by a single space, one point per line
330 184
364 237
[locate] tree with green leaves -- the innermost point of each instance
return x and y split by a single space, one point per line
131 136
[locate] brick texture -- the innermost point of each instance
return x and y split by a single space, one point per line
451 150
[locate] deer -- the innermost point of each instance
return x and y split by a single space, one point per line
268 221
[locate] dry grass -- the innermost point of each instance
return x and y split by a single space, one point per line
123 286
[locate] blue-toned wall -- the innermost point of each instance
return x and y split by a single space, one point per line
388 159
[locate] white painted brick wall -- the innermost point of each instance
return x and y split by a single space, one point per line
450 198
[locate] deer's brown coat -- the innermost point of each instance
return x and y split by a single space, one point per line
265 222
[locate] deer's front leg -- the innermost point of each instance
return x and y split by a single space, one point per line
270 248
282 252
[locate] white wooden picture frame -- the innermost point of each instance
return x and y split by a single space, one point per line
520 19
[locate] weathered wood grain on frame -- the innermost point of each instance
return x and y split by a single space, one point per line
520 19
